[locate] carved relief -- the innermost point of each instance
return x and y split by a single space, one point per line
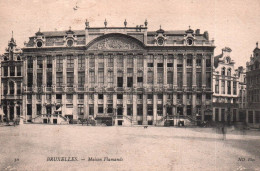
115 43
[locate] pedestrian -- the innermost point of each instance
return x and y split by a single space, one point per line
223 132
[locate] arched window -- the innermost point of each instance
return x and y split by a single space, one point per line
229 72
18 58
11 86
223 71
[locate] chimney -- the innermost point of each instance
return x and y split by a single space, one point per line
197 31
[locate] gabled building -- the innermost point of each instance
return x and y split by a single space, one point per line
253 89
11 81
225 87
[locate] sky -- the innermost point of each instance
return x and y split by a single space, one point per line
231 23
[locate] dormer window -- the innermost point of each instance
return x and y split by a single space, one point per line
228 60
5 58
160 41
229 72
189 41
223 71
39 44
18 58
70 42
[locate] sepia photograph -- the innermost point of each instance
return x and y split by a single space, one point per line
119 85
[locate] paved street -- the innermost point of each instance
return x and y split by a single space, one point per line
28 147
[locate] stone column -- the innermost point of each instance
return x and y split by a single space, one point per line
24 112
165 70
95 104
86 106
203 106
203 68
135 70
175 70
154 109
194 97
105 69
115 70
15 112
86 70
34 71
54 71
75 106
124 104
164 104
145 109
115 104
33 106
194 84
184 71
25 72
134 108
75 71
104 103
155 70
125 70
63 102
44 69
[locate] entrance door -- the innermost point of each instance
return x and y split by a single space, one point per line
180 110
11 112
120 122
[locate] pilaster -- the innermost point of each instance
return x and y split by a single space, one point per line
145 109
154 109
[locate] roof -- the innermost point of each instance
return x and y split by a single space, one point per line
169 32
62 33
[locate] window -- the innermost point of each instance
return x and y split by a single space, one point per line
150 110
100 61
18 88
198 79
160 96
81 61
169 96
49 79
80 109
140 62
130 62
5 88
100 109
110 78
100 96
149 96
12 70
69 96
179 96
39 109
29 62
149 64
160 110
70 79
189 61
179 61
5 70
29 96
129 110
216 114
179 79
29 109
81 79
208 62
59 62
70 61
188 96
217 86
229 72
229 87
189 79
49 62
19 70
91 109
169 64
120 61
91 97
48 96
119 96
101 76
160 76
59 79
29 79
169 110
223 86
208 96
139 79
39 79
91 61
80 96
139 96
119 81
223 71
139 109
208 79
110 61
198 62
149 77
39 62
129 81
11 86
235 88
159 65
91 77
59 96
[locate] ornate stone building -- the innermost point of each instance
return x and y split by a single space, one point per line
226 83
128 74
253 89
11 81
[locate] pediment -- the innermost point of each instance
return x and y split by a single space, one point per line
115 43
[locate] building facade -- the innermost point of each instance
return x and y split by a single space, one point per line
131 74
226 84
253 89
11 81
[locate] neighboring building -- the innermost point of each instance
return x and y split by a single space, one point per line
242 96
11 81
225 87
127 73
253 89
